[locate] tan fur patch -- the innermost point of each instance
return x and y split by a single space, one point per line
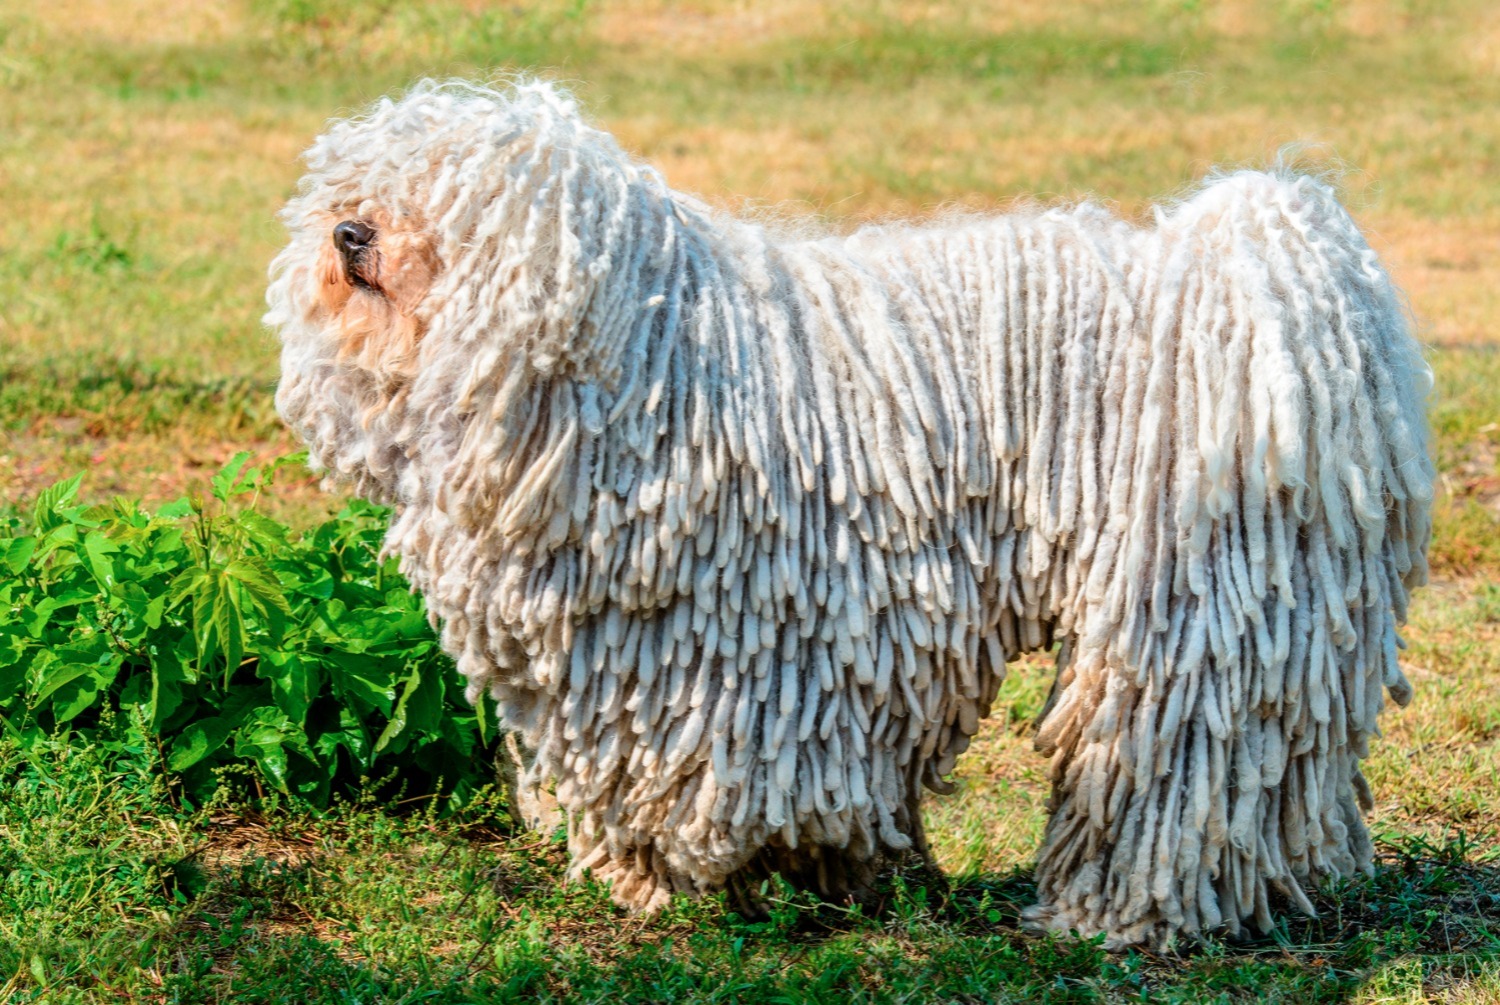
378 327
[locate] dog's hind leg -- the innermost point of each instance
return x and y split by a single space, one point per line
1144 840
1195 787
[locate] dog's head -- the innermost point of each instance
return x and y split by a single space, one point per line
450 253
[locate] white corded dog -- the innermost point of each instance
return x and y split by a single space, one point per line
740 530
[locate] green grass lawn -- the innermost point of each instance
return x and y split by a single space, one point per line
144 151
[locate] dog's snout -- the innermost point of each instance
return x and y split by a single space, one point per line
351 236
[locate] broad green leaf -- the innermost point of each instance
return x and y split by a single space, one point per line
201 738
17 553
198 740
174 510
49 502
129 594
154 611
57 674
232 479
316 583
59 539
264 738
397 722
259 581
97 548
424 710
229 622
76 592
264 531
351 735
72 678
37 618
167 679
82 692
297 459
330 615
205 608
362 681
460 733
295 682
260 585
185 583
163 550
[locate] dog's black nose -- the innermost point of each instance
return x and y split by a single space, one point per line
352 236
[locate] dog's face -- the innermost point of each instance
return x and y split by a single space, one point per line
375 272
444 258
350 301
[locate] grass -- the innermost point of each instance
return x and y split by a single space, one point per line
145 149
111 894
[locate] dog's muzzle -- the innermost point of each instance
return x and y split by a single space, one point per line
353 241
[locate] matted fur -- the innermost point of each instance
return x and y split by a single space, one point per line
740 531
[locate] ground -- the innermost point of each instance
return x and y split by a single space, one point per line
144 151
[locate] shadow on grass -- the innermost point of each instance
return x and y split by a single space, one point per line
1428 922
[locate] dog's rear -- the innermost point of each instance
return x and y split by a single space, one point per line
1228 658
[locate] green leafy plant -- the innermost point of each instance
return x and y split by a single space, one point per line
227 641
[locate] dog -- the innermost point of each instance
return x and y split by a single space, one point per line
739 528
